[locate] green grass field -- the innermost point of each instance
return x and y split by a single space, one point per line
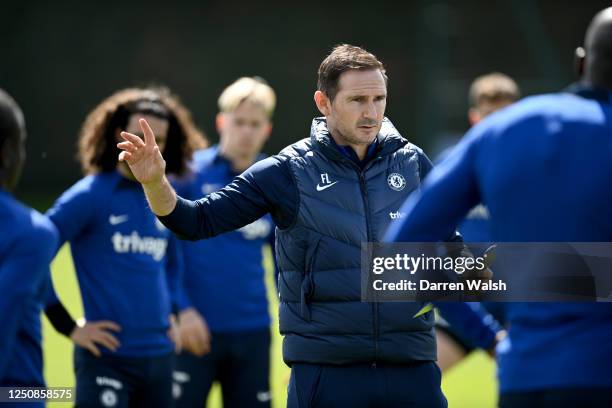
471 384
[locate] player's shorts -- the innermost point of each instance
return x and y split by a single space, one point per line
239 361
557 398
122 382
414 385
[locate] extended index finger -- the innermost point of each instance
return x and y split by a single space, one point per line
149 137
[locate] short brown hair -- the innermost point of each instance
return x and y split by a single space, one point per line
343 58
97 147
493 87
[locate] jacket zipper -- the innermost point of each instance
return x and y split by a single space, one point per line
364 191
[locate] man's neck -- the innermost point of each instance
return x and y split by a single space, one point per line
594 81
360 149
237 163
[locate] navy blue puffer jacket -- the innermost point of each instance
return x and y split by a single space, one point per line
322 317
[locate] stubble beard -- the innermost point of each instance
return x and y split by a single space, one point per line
346 137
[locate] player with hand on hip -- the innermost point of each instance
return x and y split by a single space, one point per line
127 263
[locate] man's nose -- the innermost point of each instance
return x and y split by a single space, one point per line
246 133
370 110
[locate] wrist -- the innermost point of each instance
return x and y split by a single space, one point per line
161 196
499 336
78 324
186 312
156 184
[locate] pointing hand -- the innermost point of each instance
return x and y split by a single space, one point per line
143 157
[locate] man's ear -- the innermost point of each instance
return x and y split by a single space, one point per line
4 157
8 157
9 153
220 122
323 103
579 60
474 116
268 130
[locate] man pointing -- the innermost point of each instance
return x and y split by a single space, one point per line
327 194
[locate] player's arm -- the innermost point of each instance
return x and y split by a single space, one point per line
192 330
264 187
72 213
241 202
175 269
454 244
74 210
58 316
22 273
89 335
182 300
449 191
472 321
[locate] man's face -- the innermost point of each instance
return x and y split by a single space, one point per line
484 109
356 113
158 125
245 130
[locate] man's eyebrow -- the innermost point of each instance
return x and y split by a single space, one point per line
362 95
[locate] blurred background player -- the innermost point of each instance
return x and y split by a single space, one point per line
542 167
127 263
488 93
27 246
224 276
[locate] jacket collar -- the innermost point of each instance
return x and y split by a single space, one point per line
388 140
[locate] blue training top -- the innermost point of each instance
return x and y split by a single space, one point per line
224 276
27 246
542 167
127 263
